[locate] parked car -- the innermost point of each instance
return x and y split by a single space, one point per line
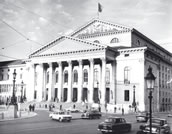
60 116
114 125
91 114
142 117
159 126
73 110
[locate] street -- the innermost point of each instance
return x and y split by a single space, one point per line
42 124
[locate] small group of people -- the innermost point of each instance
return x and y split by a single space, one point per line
32 107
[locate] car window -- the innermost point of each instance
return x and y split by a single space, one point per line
109 120
118 120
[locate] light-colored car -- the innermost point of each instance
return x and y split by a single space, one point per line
73 110
60 116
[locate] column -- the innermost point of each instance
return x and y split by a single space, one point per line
60 82
80 81
91 81
103 85
50 81
69 94
40 82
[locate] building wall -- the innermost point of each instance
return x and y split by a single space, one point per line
135 63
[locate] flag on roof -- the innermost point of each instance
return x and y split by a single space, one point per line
99 7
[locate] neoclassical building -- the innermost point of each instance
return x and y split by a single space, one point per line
100 62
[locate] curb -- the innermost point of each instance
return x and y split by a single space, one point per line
11 119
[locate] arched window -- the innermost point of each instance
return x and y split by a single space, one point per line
85 75
66 76
127 75
96 74
48 75
96 41
107 75
56 76
75 75
114 40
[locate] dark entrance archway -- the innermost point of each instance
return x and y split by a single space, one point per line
85 94
107 95
96 95
75 94
65 92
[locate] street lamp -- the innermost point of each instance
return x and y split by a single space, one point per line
21 98
13 98
134 98
150 82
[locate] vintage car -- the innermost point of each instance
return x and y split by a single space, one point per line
73 110
91 114
60 116
159 126
114 125
142 117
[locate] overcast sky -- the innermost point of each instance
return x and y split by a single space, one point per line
25 25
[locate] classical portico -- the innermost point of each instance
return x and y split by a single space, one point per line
74 81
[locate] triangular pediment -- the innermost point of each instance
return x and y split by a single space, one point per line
98 27
66 44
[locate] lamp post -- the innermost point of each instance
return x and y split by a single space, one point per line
98 92
134 98
13 98
150 82
21 98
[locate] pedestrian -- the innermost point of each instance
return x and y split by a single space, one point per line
114 109
122 111
99 108
33 107
60 107
30 107
73 106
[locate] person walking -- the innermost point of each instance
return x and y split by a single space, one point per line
122 111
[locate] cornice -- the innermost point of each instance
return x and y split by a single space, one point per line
67 53
131 50
100 46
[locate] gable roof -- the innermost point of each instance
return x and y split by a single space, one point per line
66 45
97 26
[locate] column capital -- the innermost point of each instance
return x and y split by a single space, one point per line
91 60
50 64
103 59
59 63
69 62
80 62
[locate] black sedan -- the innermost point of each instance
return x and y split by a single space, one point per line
91 114
114 125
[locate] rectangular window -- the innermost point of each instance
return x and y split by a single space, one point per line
126 95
